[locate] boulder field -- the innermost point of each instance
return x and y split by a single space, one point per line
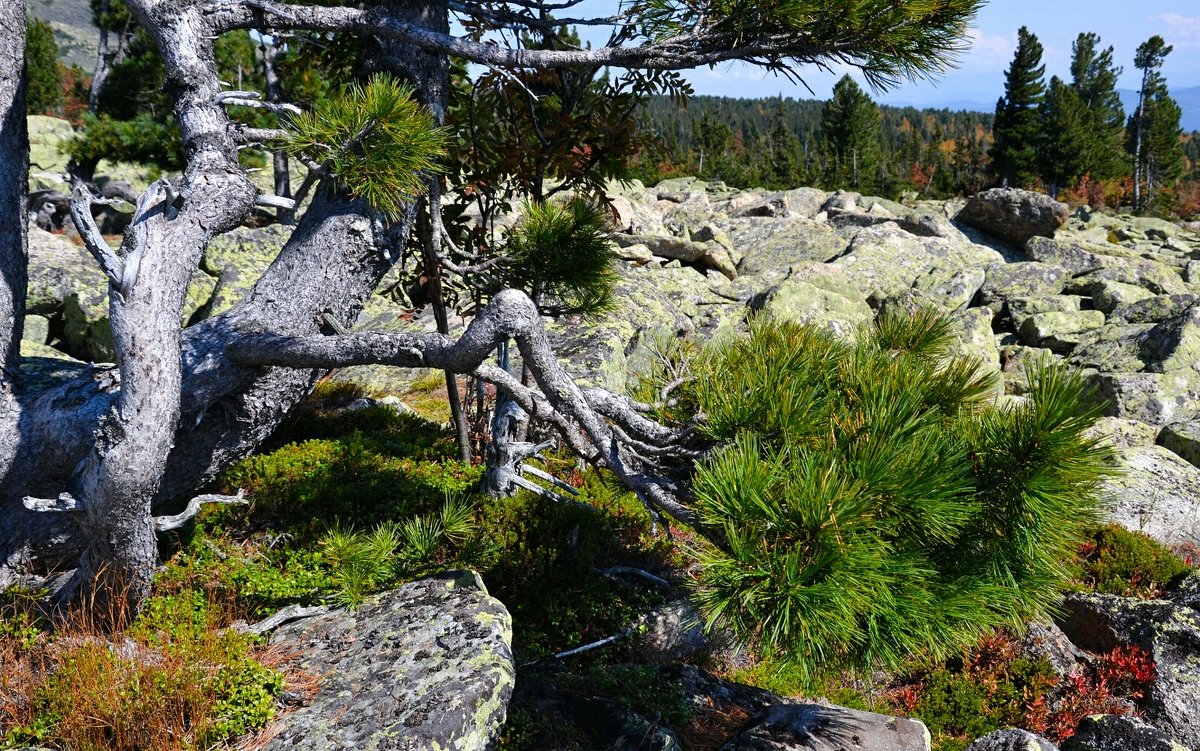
1022 277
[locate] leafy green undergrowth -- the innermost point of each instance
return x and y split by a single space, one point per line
1116 561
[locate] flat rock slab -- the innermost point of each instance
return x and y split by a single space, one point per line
425 666
816 727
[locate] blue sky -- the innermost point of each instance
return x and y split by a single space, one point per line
980 74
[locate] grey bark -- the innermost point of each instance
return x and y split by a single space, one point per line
14 150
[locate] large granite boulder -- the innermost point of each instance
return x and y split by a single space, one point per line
427 666
1014 215
885 260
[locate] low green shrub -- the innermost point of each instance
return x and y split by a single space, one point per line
1117 561
873 503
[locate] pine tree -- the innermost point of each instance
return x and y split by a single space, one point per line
1064 148
1154 130
44 92
1014 154
851 130
1094 80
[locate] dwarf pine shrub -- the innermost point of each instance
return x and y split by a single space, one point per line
873 501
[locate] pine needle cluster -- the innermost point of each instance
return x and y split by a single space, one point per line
559 253
375 140
874 502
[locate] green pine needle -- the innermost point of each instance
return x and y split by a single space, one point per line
375 140
874 504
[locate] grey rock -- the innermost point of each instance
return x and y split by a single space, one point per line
1016 361
1048 642
1137 396
1026 279
1014 215
1059 332
1151 275
1019 309
1074 256
426 666
951 289
775 245
36 329
1123 433
805 202
1187 592
884 260
1118 733
1182 438
675 631
1152 309
1012 739
804 302
1157 493
818 727
1168 632
1109 295
237 259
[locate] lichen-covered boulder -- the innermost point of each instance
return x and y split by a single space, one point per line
1012 739
1025 279
424 667
775 245
1153 309
1014 215
1151 275
885 260
1183 439
238 258
1059 332
1110 732
1073 255
1158 493
804 302
1107 296
1168 632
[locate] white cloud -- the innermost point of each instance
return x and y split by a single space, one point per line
1182 30
988 53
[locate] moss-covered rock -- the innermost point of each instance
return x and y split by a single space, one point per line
425 666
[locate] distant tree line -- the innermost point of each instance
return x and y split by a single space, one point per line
849 142
1069 137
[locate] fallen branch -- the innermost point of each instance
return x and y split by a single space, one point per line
175 521
286 615
64 502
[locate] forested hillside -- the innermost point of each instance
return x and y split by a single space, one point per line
776 143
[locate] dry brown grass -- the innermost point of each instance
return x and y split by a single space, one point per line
173 681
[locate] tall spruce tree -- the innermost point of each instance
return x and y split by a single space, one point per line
42 76
1094 80
1064 149
851 129
1014 153
1154 130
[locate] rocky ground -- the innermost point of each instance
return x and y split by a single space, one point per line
1023 278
